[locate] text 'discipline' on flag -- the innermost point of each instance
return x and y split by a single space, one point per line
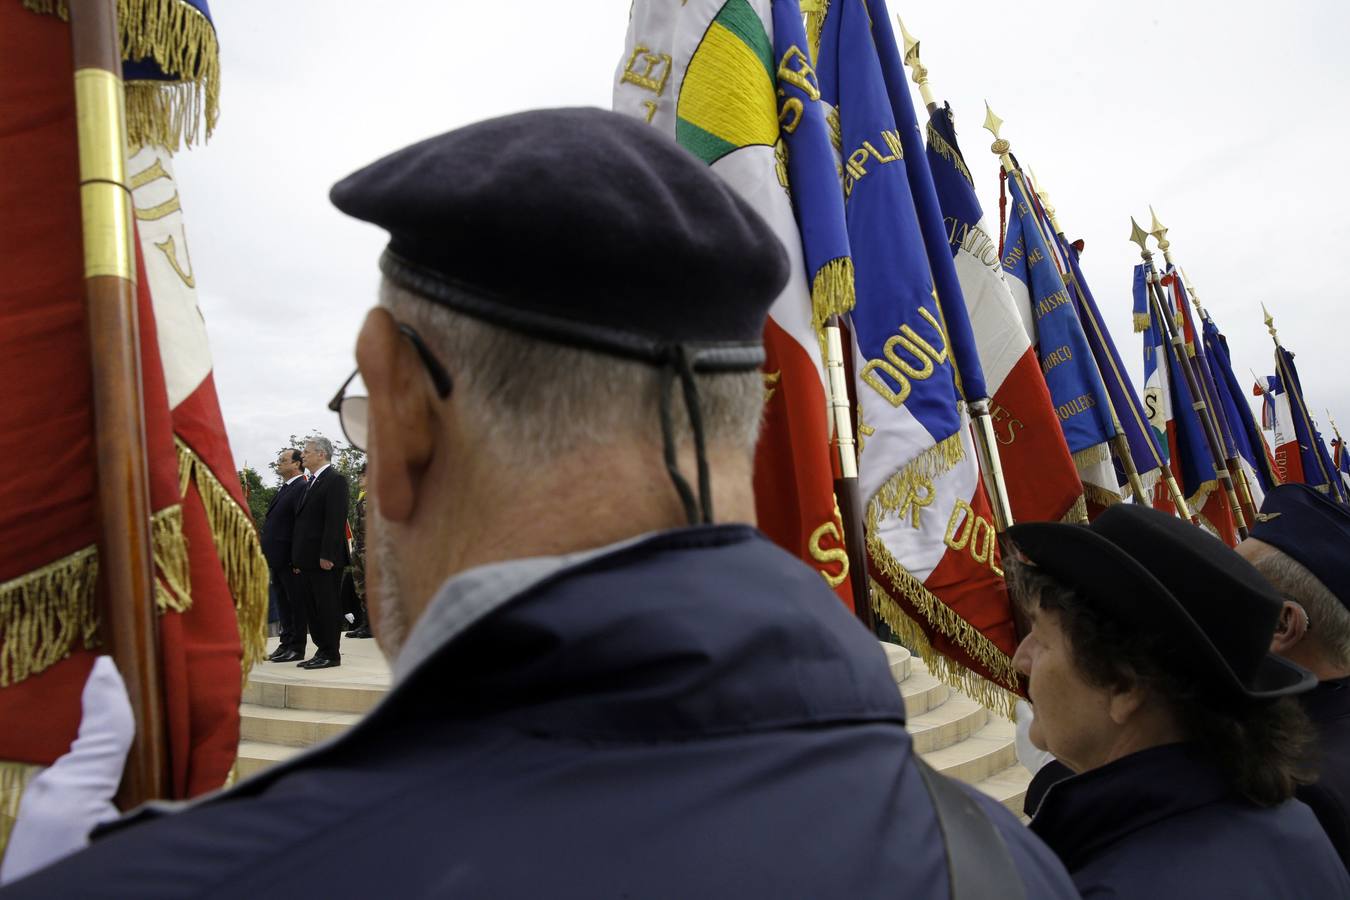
933 553
707 73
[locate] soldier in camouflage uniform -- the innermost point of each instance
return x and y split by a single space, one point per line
362 629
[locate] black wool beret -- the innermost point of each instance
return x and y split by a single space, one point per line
580 226
1163 576
1313 530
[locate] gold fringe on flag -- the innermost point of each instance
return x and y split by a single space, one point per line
940 617
182 42
938 144
913 484
903 488
1141 322
1077 513
14 778
1091 456
173 587
237 545
1099 496
45 613
832 291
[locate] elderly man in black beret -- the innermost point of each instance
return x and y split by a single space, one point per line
1147 662
1301 544
607 682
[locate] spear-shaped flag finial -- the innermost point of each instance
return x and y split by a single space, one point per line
992 124
919 72
1159 231
1270 323
1138 235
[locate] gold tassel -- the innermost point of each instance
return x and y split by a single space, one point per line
240 553
990 694
45 613
832 290
1099 496
938 144
1077 513
1092 456
182 42
173 587
14 778
1141 322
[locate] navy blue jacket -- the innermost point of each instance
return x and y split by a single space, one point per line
1329 708
321 522
279 525
691 716
1162 824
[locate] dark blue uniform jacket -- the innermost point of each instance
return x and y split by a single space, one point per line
1329 708
691 716
1162 824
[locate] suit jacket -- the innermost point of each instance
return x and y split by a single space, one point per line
279 526
693 715
321 522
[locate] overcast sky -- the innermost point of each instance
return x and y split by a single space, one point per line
1228 117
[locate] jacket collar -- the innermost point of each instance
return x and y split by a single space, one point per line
1082 816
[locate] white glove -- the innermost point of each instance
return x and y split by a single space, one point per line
67 800
1028 754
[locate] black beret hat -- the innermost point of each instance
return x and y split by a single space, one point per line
580 226
1312 529
1162 576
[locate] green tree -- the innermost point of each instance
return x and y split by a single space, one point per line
259 495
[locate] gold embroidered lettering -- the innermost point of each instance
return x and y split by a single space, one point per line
169 250
795 69
829 557
1051 303
771 380
159 210
1055 358
653 76
967 530
1002 416
1081 403
900 370
650 107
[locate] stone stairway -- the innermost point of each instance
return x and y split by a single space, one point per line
286 709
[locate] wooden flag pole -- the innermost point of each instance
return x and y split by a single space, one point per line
1176 341
127 616
1296 392
1214 408
986 441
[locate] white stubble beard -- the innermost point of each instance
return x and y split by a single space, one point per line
389 622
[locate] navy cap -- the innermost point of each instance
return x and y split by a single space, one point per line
1312 529
579 226
1162 576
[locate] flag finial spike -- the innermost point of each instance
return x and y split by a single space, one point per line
992 124
1270 323
911 43
919 72
1159 231
1138 235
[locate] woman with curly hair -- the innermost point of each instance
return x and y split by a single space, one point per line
1148 666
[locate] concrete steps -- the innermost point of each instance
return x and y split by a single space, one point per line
286 709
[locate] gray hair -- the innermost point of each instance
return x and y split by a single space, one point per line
534 399
321 444
1328 619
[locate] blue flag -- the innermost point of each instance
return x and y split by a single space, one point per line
1317 467
1066 358
927 207
1245 432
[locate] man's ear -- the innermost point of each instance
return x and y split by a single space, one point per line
1293 624
401 427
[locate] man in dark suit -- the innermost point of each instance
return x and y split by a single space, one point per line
277 536
319 550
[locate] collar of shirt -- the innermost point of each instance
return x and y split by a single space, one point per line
293 477
471 595
319 470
